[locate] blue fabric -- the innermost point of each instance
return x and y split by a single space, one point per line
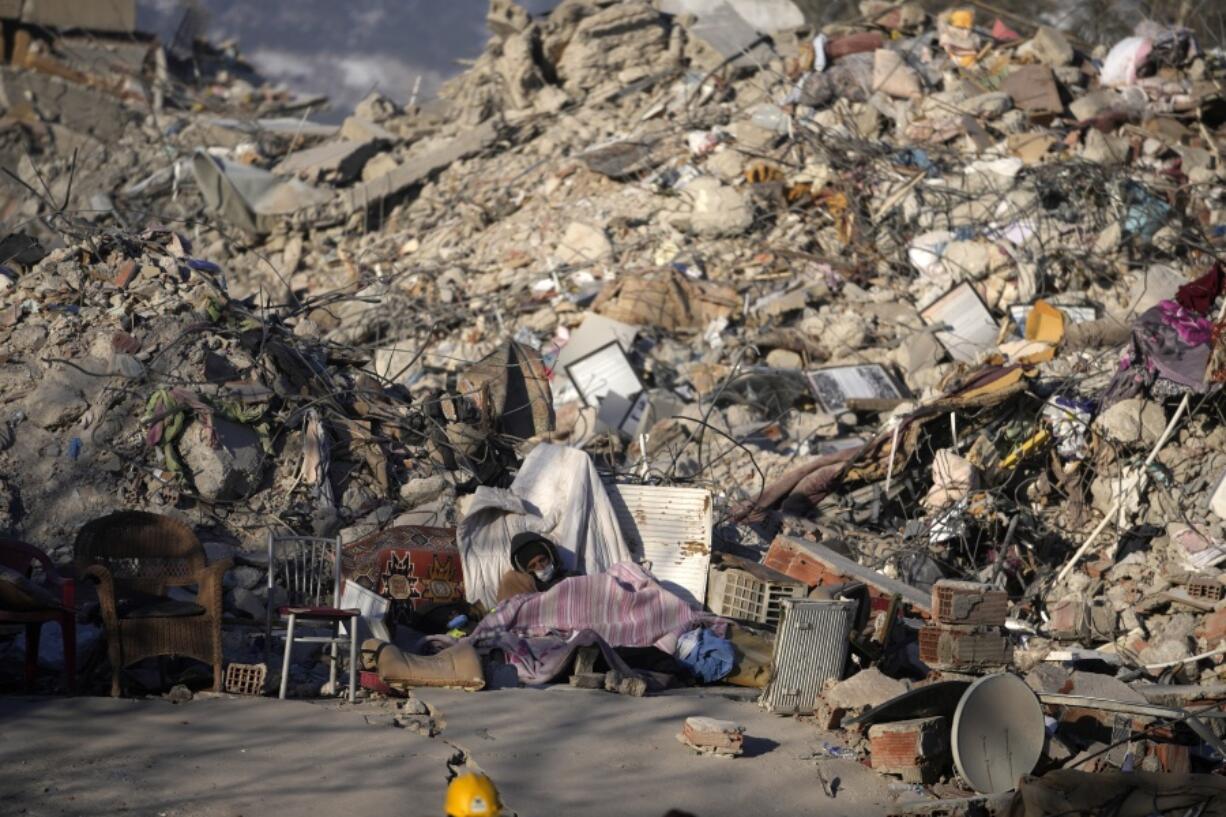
705 654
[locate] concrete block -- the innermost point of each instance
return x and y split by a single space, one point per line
81 109
93 15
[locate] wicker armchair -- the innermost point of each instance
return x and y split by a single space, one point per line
134 554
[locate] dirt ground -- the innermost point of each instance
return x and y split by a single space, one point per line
553 751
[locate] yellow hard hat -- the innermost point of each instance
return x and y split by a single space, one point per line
472 795
962 18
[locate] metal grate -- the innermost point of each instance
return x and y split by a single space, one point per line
246 679
811 648
671 529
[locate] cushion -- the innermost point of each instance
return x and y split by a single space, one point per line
20 594
318 612
143 605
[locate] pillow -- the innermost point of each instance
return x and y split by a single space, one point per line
19 594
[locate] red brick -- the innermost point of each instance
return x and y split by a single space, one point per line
1212 628
948 646
1174 758
955 602
125 273
795 563
864 42
916 750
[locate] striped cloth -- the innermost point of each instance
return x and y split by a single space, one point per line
625 606
622 607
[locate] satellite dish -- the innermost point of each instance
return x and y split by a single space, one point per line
998 733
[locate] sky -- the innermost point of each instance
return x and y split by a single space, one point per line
344 48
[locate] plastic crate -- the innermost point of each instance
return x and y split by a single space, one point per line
245 679
738 594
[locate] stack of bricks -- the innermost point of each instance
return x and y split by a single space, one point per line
915 750
967 632
713 737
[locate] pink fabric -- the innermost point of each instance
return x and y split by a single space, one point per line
1191 327
625 606
1003 34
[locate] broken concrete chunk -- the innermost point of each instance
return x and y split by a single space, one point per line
1090 105
628 33
379 165
228 470
583 245
505 18
1217 502
335 162
1033 89
78 107
863 691
418 168
1136 423
731 38
359 129
521 75
893 76
422 489
715 209
1048 46
55 403
112 15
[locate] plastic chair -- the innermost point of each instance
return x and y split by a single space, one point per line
308 569
21 557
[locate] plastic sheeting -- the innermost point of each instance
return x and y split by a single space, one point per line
558 494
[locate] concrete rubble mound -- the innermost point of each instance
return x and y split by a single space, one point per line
925 311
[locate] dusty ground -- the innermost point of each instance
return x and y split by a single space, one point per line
552 752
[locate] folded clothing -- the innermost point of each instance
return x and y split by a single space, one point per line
707 656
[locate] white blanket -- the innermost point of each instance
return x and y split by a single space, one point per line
558 494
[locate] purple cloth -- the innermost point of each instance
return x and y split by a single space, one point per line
1168 342
625 605
1192 329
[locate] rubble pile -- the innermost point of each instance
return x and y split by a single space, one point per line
931 304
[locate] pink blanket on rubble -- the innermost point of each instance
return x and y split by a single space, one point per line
622 607
625 606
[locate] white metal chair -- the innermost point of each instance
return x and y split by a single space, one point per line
308 569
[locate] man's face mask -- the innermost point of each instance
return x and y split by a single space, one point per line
545 573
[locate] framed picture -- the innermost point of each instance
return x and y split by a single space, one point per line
602 371
971 328
833 386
